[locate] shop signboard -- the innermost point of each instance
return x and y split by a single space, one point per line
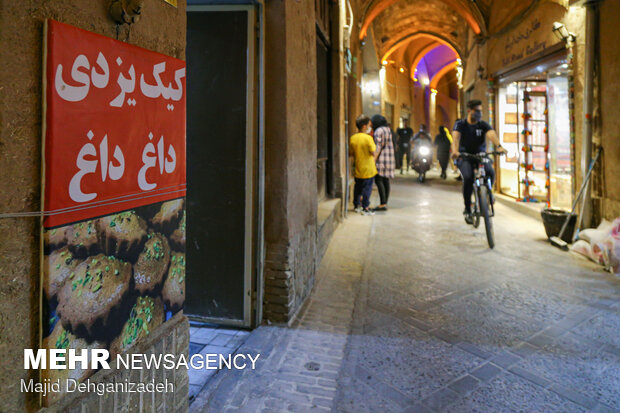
113 264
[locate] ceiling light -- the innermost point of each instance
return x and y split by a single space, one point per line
401 70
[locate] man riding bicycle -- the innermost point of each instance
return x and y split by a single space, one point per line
469 136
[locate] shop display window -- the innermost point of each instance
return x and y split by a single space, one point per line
560 168
534 127
509 137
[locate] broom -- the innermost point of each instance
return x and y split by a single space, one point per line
557 240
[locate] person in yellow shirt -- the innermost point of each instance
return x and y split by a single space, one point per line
362 149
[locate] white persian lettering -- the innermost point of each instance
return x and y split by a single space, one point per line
100 80
74 93
88 166
127 85
152 157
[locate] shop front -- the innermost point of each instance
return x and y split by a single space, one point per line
533 119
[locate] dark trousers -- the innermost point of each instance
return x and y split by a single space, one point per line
383 185
467 172
443 159
362 191
404 150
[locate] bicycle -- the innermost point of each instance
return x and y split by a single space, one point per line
484 200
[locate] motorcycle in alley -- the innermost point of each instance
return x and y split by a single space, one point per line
422 159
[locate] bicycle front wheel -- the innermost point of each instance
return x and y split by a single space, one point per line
475 209
483 198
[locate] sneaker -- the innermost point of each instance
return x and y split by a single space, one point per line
368 212
380 208
357 210
468 218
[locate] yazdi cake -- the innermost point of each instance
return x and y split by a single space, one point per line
55 238
90 303
58 267
122 235
177 239
168 217
62 339
82 238
150 269
145 316
173 292
147 212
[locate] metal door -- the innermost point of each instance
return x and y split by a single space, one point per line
223 153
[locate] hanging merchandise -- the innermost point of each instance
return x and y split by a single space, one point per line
527 150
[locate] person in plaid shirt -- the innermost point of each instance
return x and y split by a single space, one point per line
385 160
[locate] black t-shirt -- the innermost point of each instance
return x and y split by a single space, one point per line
473 137
404 135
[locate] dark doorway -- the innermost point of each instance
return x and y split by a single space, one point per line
324 138
219 164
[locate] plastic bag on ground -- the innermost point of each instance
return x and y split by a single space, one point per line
601 245
597 235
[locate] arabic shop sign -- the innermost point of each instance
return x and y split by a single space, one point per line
115 126
524 43
113 257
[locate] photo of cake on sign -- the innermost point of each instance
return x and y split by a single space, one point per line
113 268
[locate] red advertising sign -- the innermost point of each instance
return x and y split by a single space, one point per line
113 257
114 126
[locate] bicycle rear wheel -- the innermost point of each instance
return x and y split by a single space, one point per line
483 198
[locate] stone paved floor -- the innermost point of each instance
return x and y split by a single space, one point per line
206 339
412 312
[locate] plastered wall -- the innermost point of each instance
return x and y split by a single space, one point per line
161 28
609 121
290 150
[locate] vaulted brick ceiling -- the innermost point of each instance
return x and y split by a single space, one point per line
405 30
430 13
394 20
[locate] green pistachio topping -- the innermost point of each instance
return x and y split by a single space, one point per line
63 340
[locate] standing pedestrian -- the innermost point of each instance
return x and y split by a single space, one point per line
362 149
384 157
443 143
394 144
404 137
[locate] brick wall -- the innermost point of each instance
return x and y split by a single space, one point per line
290 268
170 337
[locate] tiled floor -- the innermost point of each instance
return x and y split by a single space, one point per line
209 339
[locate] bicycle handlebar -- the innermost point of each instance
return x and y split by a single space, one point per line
479 155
